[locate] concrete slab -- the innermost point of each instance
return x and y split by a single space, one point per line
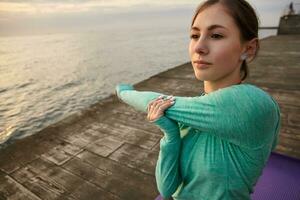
109 151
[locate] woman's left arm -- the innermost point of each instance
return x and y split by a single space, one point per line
137 99
237 115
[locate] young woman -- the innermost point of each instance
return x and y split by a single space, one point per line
215 145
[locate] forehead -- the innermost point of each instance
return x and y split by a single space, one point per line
215 14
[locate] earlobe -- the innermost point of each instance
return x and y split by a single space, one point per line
244 56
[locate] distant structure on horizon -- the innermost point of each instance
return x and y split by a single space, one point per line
290 21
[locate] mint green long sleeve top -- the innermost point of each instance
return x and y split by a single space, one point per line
214 146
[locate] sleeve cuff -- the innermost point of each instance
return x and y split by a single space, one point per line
122 87
169 127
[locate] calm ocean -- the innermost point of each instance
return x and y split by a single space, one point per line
46 77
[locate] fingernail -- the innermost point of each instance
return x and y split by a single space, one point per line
161 96
172 102
172 99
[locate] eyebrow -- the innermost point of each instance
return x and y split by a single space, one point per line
209 28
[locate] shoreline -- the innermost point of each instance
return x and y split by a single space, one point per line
12 140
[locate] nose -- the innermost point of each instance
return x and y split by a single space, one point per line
201 47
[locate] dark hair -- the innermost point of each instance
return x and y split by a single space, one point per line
245 18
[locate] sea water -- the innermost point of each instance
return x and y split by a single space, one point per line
47 77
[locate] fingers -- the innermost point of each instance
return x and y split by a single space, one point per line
154 102
166 105
161 103
157 107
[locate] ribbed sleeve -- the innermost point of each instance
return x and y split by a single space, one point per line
236 113
167 170
221 146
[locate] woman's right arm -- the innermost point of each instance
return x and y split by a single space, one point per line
167 172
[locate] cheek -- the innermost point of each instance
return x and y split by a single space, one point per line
191 48
227 53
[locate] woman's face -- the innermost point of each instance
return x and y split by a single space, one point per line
215 39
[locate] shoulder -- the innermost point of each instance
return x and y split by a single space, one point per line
243 92
246 96
257 95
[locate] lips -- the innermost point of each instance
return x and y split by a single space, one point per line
201 64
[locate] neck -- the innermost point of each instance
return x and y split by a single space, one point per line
210 86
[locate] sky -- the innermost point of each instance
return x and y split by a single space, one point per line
26 16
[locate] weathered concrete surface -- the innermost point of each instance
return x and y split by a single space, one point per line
109 151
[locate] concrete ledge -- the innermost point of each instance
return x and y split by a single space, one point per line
109 151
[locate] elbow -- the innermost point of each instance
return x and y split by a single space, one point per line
166 192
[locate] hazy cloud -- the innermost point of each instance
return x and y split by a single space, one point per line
18 15
39 7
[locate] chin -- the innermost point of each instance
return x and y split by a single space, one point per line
200 76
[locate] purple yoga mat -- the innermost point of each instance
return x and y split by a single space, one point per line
280 180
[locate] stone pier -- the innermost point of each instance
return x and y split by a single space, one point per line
109 151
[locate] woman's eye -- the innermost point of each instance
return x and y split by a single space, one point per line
194 36
217 36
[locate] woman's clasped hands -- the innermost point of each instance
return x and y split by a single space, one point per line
157 107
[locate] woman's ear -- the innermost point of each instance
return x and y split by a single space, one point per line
251 49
